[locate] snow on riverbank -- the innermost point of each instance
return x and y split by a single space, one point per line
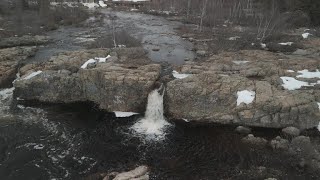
33 74
177 75
291 83
95 60
120 114
245 96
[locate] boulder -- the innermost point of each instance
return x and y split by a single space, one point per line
9 61
25 40
113 85
254 141
291 131
279 144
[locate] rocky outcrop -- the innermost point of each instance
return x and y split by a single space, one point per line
118 84
9 61
246 88
23 41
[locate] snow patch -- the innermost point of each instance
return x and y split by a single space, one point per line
177 75
85 65
234 38
263 45
95 60
309 75
306 35
245 96
90 5
240 62
319 105
291 83
120 114
102 4
291 71
286 44
31 75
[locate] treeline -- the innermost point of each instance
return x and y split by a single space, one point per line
211 12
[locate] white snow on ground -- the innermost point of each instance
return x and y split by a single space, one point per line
263 45
240 62
234 38
291 71
1 29
319 105
306 35
84 66
33 74
291 83
102 4
103 60
120 114
286 44
306 74
90 5
95 60
134 9
245 96
82 40
179 76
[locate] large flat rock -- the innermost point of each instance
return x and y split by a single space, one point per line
114 85
246 88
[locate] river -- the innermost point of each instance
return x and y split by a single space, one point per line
72 141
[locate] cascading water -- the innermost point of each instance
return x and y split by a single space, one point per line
153 125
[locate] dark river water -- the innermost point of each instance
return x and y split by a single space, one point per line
76 140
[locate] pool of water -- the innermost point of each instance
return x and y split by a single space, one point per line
74 141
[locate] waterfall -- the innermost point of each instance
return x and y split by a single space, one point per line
153 125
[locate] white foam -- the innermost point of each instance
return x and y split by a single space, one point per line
240 62
38 147
233 38
245 96
306 74
286 44
31 75
306 35
179 76
291 83
6 93
120 114
153 125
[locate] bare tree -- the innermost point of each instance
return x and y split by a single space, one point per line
203 13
